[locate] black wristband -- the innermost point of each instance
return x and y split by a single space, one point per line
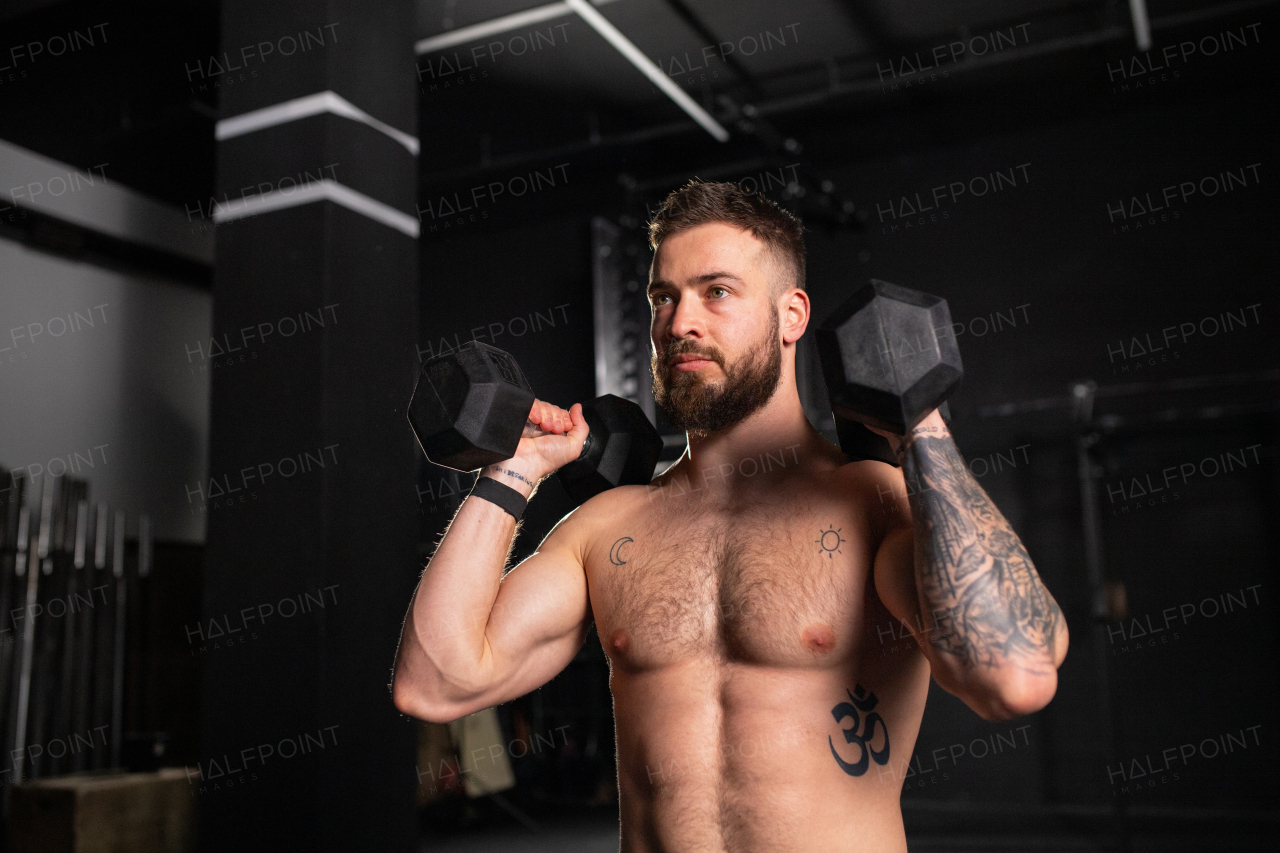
489 489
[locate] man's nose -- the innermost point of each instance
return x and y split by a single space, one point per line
686 320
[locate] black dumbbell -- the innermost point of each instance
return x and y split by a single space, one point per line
470 408
889 358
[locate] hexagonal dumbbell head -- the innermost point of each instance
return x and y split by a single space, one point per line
889 356
470 407
621 450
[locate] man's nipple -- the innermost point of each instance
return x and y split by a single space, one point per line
619 642
819 639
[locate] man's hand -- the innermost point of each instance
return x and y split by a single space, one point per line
552 438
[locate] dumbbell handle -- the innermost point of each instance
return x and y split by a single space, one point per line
859 442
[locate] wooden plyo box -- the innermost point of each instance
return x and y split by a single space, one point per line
113 813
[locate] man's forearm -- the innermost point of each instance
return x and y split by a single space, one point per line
977 585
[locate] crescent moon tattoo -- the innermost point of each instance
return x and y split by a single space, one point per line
615 552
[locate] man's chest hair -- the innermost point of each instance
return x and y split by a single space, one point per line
773 583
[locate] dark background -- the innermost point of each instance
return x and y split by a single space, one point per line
851 149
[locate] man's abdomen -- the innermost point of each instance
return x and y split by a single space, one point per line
732 757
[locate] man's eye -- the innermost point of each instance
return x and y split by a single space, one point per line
714 290
658 298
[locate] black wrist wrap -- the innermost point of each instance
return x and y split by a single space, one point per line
489 489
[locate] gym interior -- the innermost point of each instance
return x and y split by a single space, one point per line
232 233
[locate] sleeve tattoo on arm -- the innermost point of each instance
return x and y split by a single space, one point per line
972 566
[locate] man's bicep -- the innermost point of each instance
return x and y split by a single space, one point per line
540 617
542 598
894 562
895 577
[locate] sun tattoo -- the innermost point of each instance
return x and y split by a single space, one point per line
829 541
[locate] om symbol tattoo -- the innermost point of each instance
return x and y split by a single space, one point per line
860 701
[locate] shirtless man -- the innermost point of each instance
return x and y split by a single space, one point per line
738 595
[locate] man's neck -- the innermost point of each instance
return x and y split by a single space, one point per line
776 436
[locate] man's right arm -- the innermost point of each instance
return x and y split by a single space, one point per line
473 638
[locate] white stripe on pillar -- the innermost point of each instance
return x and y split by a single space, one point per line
323 190
305 107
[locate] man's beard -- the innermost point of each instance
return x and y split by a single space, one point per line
701 408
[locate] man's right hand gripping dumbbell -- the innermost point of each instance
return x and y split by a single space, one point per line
552 438
473 409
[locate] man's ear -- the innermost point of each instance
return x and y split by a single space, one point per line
793 313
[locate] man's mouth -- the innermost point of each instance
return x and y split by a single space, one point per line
686 362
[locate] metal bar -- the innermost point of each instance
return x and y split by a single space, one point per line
100 538
103 659
9 499
1130 389
43 701
29 560
117 669
82 532
1095 567
83 690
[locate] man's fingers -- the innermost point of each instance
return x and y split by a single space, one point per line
549 418
579 427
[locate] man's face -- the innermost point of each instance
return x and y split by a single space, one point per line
716 355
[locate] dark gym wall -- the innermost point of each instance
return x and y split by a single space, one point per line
1046 243
1046 286
1073 291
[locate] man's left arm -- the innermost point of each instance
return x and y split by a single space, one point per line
990 629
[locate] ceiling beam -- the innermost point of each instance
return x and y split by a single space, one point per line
837 90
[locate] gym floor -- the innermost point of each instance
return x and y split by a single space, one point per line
931 828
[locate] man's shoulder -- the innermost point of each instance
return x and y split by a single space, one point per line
877 489
596 514
612 500
865 475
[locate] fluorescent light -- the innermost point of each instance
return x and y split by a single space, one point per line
514 21
624 46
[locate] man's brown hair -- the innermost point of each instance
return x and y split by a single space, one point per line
700 202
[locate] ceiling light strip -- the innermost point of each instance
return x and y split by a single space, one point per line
514 21
466 35
1141 24
624 46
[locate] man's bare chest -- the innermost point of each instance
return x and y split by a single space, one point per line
774 584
